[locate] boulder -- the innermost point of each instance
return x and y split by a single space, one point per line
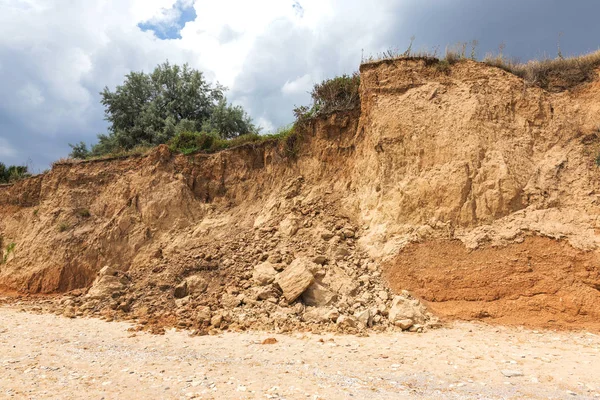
406 308
191 286
364 317
295 279
317 295
107 284
264 274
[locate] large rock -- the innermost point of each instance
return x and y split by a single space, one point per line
191 286
317 295
107 284
405 310
295 279
264 274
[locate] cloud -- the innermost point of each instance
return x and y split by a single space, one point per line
57 55
169 22
6 150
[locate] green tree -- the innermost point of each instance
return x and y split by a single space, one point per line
13 173
229 121
79 150
149 109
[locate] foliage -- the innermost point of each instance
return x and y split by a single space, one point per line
79 151
150 109
335 94
83 212
9 249
63 226
229 121
193 142
13 173
554 74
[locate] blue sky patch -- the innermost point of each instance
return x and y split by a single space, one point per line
171 21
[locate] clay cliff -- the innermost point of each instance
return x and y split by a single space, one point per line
469 188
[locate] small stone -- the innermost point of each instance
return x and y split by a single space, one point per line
203 314
348 233
216 320
346 321
383 295
326 235
320 259
404 324
511 373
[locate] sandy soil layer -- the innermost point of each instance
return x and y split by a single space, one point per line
51 357
539 283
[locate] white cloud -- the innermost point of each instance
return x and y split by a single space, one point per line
300 85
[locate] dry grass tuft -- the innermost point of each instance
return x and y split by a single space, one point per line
555 75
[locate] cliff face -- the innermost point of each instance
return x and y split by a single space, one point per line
471 159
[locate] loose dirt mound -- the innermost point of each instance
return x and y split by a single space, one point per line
259 236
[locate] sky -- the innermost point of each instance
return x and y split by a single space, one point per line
57 55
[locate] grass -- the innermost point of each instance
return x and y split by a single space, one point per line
9 249
553 74
123 153
195 142
83 212
63 226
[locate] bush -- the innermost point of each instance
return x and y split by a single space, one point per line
191 142
337 94
13 173
9 249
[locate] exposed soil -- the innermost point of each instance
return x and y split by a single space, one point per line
469 163
539 282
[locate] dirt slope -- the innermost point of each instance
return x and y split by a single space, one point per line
472 155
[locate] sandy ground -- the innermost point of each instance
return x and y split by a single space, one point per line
44 356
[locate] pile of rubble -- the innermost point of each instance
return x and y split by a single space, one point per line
302 274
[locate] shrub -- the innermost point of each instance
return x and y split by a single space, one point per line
191 142
336 94
13 173
63 226
9 249
83 212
